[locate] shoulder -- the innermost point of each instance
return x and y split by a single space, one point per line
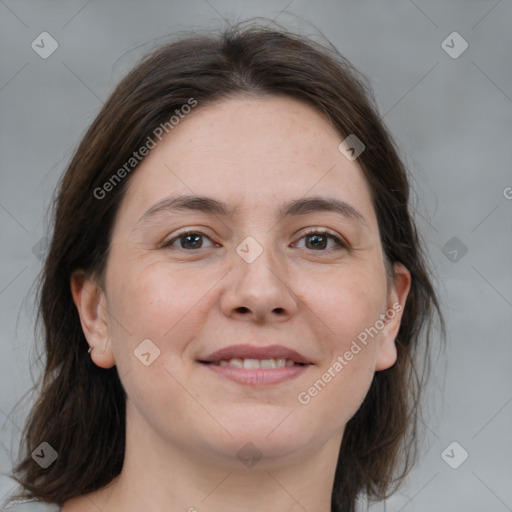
30 506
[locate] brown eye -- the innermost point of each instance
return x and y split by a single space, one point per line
319 240
187 241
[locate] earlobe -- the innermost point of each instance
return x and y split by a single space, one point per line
397 297
90 302
387 355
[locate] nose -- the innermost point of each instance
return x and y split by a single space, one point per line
259 291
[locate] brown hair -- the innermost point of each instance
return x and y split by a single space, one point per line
81 407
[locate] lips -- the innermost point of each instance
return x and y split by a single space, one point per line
257 366
245 352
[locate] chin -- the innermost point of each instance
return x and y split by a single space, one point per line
265 451
270 434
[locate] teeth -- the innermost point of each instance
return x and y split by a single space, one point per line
251 364
255 364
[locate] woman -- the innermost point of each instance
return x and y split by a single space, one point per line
235 297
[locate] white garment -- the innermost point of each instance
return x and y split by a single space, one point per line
30 506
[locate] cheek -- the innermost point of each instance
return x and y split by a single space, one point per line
347 307
336 390
149 304
162 304
164 307
154 297
344 303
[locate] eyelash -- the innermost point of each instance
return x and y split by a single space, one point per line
312 231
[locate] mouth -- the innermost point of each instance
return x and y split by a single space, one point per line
256 366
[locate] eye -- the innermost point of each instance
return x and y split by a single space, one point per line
187 240
319 240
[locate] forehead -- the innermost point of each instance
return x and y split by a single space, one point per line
250 153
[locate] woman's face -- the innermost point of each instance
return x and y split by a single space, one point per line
251 278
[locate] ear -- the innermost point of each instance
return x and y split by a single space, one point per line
91 303
397 296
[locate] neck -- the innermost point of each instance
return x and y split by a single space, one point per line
159 477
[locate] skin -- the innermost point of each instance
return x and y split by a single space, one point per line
185 424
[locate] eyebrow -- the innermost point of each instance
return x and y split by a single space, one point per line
209 205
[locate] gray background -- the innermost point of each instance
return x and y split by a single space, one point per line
451 118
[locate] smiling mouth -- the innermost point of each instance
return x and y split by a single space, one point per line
255 364
257 372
